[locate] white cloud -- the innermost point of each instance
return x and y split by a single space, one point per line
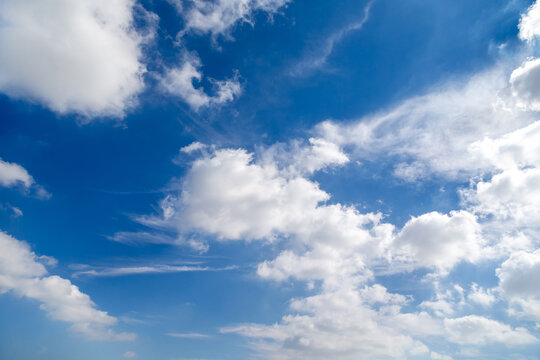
22 274
129 354
193 147
431 134
436 356
179 82
517 149
446 301
525 85
518 282
319 55
79 57
340 325
529 24
138 270
12 174
439 240
481 296
188 335
510 199
478 330
218 17
299 158
229 196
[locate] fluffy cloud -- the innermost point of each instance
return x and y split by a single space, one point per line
477 330
299 158
79 57
509 199
219 16
529 25
229 195
341 325
179 82
12 174
481 296
518 282
524 82
439 240
22 274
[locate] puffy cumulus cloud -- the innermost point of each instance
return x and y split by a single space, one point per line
517 149
229 195
518 282
481 296
524 82
512 194
79 57
446 302
299 158
430 135
529 24
12 174
509 199
341 325
178 81
478 330
440 241
22 273
219 16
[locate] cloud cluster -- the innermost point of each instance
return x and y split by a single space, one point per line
219 17
22 273
480 126
518 283
342 325
86 57
484 125
477 330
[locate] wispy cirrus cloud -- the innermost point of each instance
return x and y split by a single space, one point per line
137 270
318 56
188 335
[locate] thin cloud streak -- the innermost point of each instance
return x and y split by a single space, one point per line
140 270
319 58
188 335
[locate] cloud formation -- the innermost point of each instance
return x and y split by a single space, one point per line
81 57
22 274
219 17
477 330
178 81
12 174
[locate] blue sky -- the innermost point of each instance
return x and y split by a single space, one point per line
269 179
